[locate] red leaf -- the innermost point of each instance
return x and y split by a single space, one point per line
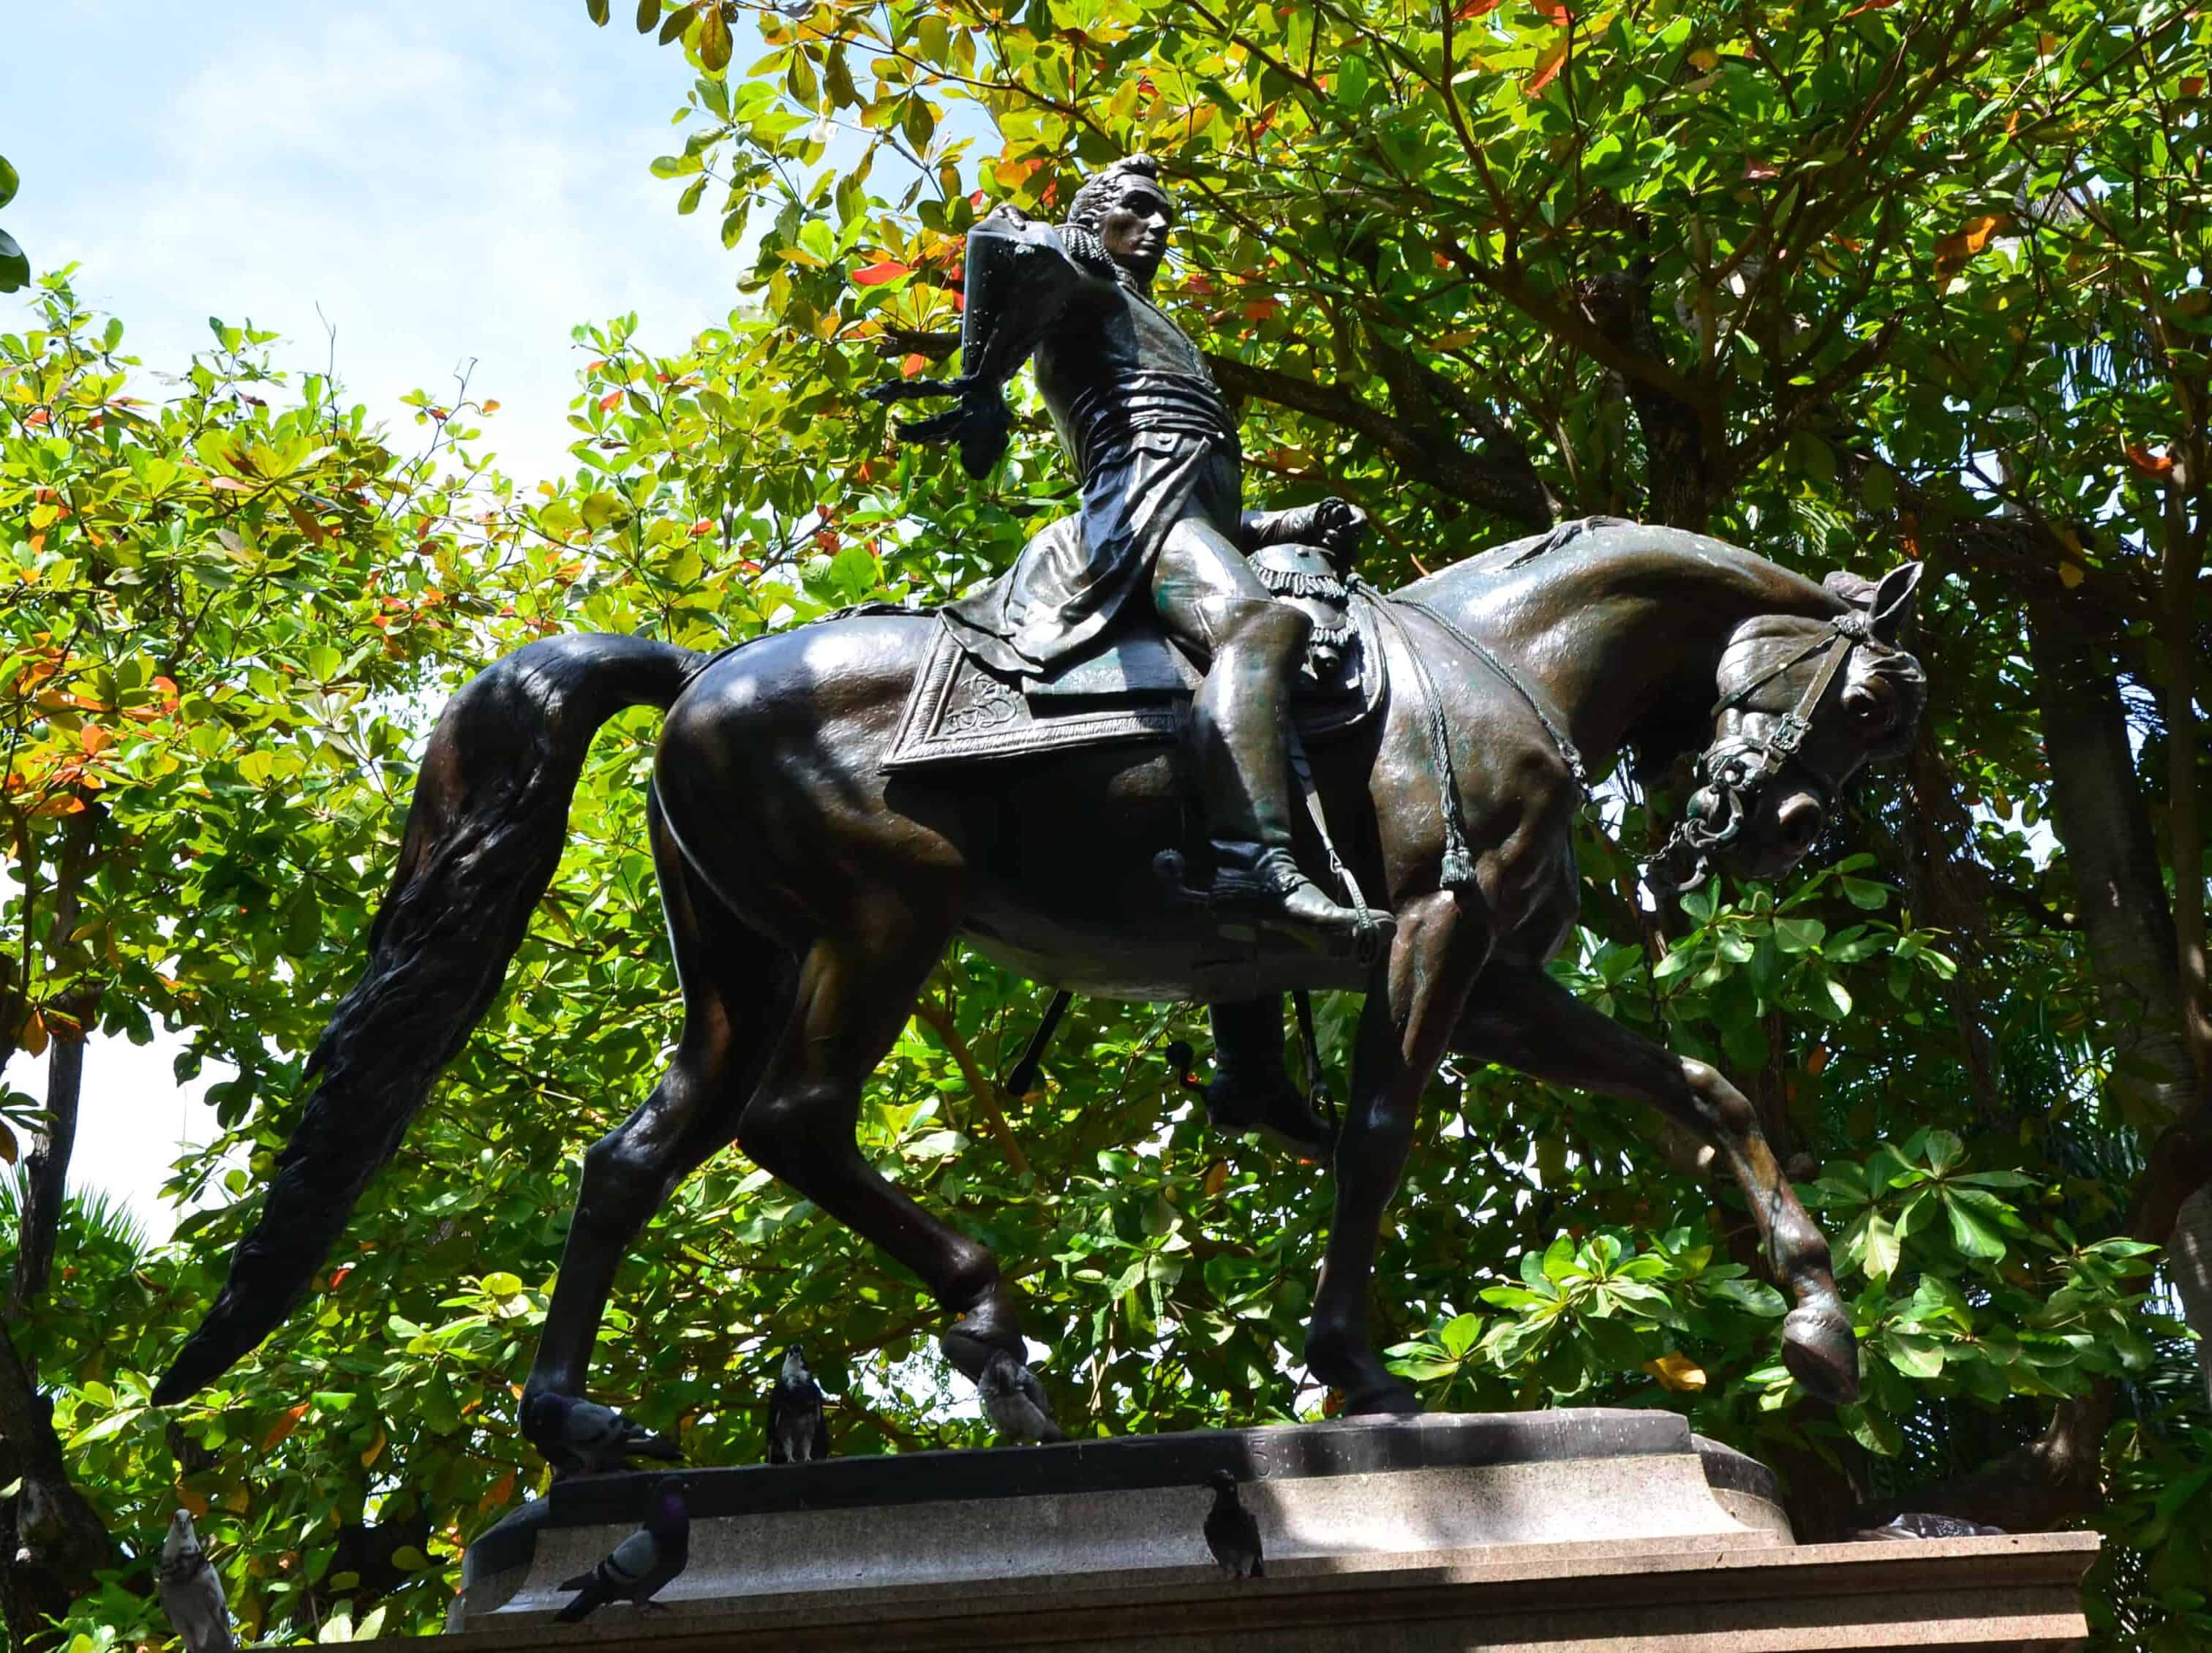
607 402
913 365
285 1425
338 1274
876 274
2157 466
1474 8
1754 171
1548 63
1552 12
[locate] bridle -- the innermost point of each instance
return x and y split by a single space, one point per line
1733 768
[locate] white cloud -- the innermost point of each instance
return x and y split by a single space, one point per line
443 183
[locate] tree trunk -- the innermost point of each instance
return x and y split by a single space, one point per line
51 1541
2120 895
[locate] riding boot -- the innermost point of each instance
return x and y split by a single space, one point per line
1240 724
1251 1088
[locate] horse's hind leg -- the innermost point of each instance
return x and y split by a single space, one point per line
856 990
737 988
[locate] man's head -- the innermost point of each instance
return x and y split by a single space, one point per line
1126 209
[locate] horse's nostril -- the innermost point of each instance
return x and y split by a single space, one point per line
1798 817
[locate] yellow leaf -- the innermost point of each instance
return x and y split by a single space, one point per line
2070 575
375 1450
1952 251
1677 1372
1216 1178
1704 57
33 1038
7 1149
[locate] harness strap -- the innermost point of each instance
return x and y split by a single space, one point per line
1514 680
1303 770
1457 870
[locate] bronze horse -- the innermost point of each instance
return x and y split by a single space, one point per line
809 896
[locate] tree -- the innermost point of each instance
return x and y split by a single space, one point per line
1836 283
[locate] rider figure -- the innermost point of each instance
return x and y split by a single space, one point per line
1161 517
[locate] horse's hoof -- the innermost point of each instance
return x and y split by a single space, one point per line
1821 1353
1382 1399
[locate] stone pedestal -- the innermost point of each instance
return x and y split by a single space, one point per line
1572 1532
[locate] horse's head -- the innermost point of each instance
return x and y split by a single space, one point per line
1802 704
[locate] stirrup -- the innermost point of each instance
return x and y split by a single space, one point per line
1262 886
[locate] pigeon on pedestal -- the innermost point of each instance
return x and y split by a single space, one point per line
798 1432
582 1438
1014 1400
192 1591
642 1564
1232 1533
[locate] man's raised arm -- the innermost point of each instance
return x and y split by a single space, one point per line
1019 278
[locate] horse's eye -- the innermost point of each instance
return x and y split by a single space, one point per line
1865 705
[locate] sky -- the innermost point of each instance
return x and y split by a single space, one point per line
442 184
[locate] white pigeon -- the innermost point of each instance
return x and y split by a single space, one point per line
192 1591
1014 1400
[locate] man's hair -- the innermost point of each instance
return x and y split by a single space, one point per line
1103 190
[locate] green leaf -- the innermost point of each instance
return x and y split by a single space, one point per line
713 38
1972 1231
14 267
1863 894
648 16
597 11
10 181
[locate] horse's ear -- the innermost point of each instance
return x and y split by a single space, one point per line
1892 604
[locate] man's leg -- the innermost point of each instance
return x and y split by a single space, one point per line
1209 600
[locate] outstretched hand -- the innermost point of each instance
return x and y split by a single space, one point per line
979 420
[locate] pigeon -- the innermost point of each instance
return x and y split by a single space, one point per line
1014 1401
585 1438
798 1432
1231 1532
642 1564
1920 1524
192 1591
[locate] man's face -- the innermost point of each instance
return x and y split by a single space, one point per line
1135 229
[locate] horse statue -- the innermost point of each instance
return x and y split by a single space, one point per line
811 888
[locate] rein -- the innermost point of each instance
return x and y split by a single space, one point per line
1732 769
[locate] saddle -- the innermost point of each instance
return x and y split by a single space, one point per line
1137 685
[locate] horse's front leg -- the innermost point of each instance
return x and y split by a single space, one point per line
1526 1020
1438 951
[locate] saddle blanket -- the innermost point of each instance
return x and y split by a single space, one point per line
1137 688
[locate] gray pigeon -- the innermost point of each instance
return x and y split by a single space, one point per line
1014 1401
642 1564
1920 1524
585 1438
192 1591
1232 1533
797 1431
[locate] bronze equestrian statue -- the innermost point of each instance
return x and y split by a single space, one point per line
810 889
1163 515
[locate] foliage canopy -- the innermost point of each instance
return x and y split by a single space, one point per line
1833 281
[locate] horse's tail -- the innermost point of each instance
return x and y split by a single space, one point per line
484 833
